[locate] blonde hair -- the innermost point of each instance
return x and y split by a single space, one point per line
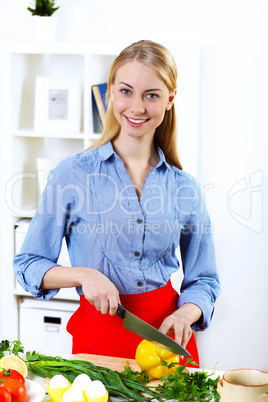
158 57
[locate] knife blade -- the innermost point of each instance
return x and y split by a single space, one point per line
147 331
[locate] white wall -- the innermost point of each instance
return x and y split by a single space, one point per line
234 165
232 145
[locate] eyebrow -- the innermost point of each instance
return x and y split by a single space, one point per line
147 90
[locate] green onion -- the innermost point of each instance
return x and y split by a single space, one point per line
117 384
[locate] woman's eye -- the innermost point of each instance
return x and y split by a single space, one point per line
125 91
152 96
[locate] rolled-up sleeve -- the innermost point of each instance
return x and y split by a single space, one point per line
43 241
201 285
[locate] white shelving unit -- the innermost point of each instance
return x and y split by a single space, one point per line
20 145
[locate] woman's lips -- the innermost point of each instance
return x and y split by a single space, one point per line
135 122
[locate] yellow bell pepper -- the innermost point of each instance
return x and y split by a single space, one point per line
56 393
149 357
103 398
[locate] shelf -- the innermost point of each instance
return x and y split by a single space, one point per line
94 136
64 294
63 47
68 136
34 134
25 214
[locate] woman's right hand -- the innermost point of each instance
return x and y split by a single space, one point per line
97 288
99 291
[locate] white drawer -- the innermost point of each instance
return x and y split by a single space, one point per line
42 326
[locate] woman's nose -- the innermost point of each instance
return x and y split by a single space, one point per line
137 105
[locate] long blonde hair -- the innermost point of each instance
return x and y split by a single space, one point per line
158 57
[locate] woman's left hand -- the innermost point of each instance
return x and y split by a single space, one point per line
180 322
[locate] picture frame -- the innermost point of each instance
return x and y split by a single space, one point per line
57 105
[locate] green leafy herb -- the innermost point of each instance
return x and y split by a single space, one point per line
133 375
12 347
185 386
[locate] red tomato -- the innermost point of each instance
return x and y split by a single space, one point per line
16 389
11 375
5 396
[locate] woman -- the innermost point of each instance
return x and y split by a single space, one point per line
124 206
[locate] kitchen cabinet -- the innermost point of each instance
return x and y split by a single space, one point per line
42 325
22 146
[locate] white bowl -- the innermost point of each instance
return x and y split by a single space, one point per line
35 391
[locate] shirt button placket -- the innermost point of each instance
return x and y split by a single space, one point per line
139 245
139 238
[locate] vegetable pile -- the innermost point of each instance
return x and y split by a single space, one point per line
128 384
149 357
12 380
83 389
12 388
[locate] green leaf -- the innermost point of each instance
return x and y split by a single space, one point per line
185 386
138 376
43 8
13 347
4 347
17 348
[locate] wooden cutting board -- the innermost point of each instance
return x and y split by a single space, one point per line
113 363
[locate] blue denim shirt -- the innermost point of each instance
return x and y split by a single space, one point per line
90 199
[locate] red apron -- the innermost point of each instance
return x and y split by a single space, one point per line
97 333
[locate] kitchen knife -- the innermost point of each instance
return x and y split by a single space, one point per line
146 331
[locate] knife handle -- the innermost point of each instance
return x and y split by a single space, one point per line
121 311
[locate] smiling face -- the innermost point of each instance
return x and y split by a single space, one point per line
140 99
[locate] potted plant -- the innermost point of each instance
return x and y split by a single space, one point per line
44 20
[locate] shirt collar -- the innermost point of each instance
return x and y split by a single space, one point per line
106 151
162 159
